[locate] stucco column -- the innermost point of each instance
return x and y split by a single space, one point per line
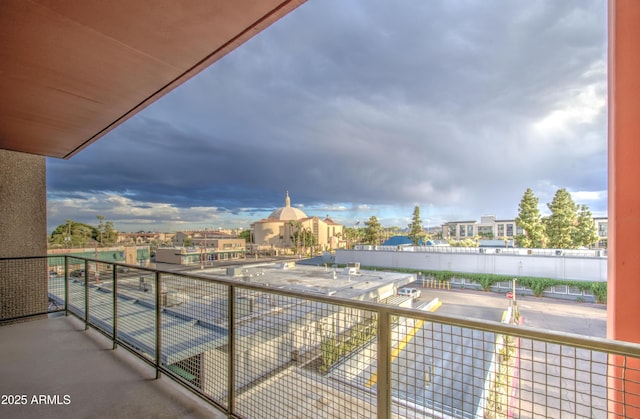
623 309
23 232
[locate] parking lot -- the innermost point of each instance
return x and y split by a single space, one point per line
545 313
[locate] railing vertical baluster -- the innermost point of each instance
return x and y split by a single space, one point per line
384 365
158 326
86 294
115 306
66 285
231 338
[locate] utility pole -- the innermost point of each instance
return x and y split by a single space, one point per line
203 250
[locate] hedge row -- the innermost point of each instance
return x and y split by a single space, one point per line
536 284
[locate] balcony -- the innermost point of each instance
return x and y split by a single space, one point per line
222 346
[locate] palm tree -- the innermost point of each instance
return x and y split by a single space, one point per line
296 228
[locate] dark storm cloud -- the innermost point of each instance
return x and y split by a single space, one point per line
459 104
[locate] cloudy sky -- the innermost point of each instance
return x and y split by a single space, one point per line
361 108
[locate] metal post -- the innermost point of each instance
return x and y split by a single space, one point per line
86 295
384 365
115 306
231 335
66 285
158 327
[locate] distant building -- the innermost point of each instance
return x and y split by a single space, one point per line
280 229
142 237
602 226
194 247
132 255
199 238
490 229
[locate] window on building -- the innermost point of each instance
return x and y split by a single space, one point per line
510 230
500 230
485 231
463 231
602 229
469 231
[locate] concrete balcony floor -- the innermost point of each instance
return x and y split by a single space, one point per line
57 357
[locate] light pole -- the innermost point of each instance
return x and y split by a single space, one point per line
203 250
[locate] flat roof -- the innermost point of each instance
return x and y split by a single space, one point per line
325 280
135 315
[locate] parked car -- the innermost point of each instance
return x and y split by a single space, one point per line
78 273
409 292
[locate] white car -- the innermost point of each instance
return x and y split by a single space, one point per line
409 292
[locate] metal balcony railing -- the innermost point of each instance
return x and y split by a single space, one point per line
257 352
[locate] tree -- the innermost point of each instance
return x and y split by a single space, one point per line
72 234
110 234
416 232
561 224
246 235
530 220
586 233
309 240
372 231
101 227
352 236
296 235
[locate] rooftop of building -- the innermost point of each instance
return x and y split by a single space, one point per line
287 213
322 279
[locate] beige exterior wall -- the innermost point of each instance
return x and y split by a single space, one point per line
268 233
274 233
228 244
23 232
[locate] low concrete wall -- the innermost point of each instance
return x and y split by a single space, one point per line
556 267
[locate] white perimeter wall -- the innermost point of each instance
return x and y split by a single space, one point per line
557 267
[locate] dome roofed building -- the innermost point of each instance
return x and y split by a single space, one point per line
290 229
287 213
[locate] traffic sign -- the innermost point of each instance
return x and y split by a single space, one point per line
509 294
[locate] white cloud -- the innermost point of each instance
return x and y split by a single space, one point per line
586 196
